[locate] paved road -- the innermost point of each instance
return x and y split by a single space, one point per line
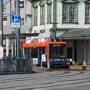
56 80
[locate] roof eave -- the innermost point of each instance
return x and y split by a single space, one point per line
32 0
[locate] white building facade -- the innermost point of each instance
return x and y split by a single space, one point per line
25 13
9 43
52 18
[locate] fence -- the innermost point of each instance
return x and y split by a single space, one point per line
11 65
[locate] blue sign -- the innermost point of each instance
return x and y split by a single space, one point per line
16 20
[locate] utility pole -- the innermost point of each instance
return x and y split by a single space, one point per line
1 23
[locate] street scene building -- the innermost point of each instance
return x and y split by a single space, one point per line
45 44
9 31
67 20
53 30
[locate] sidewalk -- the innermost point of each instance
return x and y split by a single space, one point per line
80 67
72 67
39 69
45 69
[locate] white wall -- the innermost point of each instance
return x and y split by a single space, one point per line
81 19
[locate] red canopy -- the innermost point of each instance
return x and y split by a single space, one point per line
41 44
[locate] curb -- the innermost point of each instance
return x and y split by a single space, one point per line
80 67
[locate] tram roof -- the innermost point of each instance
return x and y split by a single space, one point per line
42 44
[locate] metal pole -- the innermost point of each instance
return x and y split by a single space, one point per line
17 11
84 54
29 62
48 57
7 47
41 57
17 30
1 22
54 18
73 54
84 61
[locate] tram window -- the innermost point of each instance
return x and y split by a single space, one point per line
57 51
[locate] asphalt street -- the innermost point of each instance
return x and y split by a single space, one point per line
55 80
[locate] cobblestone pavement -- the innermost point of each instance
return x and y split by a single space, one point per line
54 80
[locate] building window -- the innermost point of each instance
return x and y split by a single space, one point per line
87 12
21 4
22 21
49 13
29 15
4 18
70 12
42 13
35 16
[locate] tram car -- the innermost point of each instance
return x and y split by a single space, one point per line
52 53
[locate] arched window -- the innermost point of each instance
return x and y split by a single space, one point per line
70 11
87 12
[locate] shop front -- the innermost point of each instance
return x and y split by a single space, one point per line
78 45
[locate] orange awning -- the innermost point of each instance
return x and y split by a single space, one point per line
41 44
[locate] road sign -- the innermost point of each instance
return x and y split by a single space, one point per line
16 20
